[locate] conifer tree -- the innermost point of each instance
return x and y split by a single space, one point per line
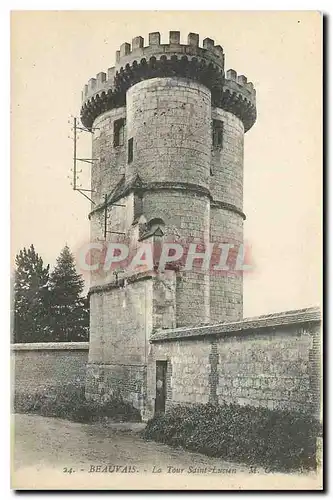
30 318
69 309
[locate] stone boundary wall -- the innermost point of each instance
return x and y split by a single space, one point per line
272 361
37 366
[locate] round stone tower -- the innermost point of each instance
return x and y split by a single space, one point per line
168 130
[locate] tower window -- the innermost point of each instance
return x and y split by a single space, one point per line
130 150
217 134
118 132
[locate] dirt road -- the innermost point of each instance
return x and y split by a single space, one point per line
53 453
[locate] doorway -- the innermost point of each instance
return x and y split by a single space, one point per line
161 371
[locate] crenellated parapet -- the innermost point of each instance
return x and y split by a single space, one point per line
136 62
129 53
239 97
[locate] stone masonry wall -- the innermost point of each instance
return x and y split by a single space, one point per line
226 185
37 366
226 288
272 361
185 214
120 324
111 161
270 369
122 317
169 120
227 163
119 220
188 372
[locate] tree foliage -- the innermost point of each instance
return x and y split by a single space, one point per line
69 310
30 297
48 307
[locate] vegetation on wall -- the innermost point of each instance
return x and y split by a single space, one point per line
275 440
48 307
69 402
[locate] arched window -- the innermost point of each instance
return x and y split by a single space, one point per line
155 222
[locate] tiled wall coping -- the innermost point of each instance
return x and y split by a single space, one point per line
270 321
51 346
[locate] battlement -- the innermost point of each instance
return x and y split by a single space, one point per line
136 62
239 82
137 48
128 53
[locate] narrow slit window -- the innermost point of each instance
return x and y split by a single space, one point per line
217 134
130 150
138 206
118 132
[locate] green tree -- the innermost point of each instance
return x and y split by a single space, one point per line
69 309
31 279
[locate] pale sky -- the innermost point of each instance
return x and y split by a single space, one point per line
55 53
